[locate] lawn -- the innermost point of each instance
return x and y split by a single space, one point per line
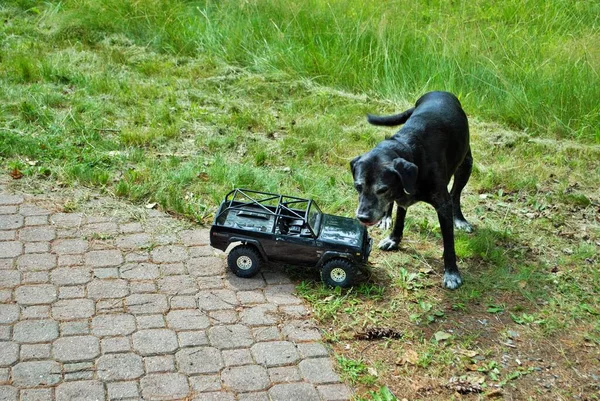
176 103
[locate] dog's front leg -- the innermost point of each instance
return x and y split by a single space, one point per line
393 240
452 279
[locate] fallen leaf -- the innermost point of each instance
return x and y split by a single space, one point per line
442 335
410 357
151 205
468 353
372 371
203 176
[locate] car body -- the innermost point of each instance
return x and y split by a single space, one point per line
288 229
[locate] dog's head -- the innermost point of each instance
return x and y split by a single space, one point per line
380 179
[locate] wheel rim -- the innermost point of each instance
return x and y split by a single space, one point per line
244 262
338 274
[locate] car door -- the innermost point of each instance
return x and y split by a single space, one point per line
296 249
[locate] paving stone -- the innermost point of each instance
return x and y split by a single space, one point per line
137 257
71 292
205 266
76 348
150 321
4 376
275 277
104 258
5 295
35 351
114 367
123 390
154 341
237 357
36 373
134 241
318 371
187 319
106 272
267 333
275 353
139 271
227 337
142 287
216 300
9 354
35 331
91 390
172 269
36 294
6 199
215 396
112 306
67 219
195 237
33 210
37 394
37 247
133 227
178 285
228 316
6 264
9 313
101 229
159 364
199 360
113 325
35 234
146 303
69 246
282 294
10 221
245 378
35 312
192 338
210 283
260 315
334 392
295 311
70 309
8 393
293 392
8 235
36 220
115 344
70 260
71 275
202 251
36 262
183 302
251 297
10 249
259 396
99 289
205 383
39 277
169 254
73 328
301 330
10 278
284 374
8 209
164 386
312 350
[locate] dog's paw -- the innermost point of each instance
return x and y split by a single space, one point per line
388 244
463 225
385 223
452 280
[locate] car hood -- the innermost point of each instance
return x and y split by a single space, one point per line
342 230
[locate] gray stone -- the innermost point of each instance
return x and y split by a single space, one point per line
318 371
35 351
245 378
77 327
205 383
275 353
36 234
139 271
293 392
10 278
187 319
89 390
114 367
199 360
312 350
102 289
237 357
8 393
159 364
10 221
183 302
176 285
154 341
11 249
79 371
113 325
146 303
164 386
284 374
169 254
150 321
260 396
134 241
69 309
123 390
282 294
260 315
215 396
35 331
37 394
226 337
9 313
36 262
335 392
69 246
115 344
192 338
35 312
205 266
9 353
301 330
38 373
76 348
71 275
104 258
217 300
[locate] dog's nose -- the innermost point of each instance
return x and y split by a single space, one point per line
363 218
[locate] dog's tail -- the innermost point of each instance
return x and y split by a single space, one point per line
390 121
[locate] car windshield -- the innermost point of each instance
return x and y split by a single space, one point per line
314 217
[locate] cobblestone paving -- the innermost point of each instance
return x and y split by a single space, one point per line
95 308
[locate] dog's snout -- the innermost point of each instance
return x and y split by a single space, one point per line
363 218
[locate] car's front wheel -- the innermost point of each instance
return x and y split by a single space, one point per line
244 261
338 273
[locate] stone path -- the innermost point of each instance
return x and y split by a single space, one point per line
97 308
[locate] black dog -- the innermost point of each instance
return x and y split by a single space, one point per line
414 165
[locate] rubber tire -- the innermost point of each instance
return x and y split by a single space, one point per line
334 266
250 254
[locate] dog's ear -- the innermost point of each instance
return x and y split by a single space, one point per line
353 163
408 173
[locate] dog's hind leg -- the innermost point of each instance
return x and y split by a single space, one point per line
393 240
461 177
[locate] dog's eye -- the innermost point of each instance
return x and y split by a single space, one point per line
382 190
358 187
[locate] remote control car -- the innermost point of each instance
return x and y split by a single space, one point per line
268 227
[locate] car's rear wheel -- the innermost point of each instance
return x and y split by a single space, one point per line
338 273
244 261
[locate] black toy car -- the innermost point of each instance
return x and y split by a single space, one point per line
271 227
